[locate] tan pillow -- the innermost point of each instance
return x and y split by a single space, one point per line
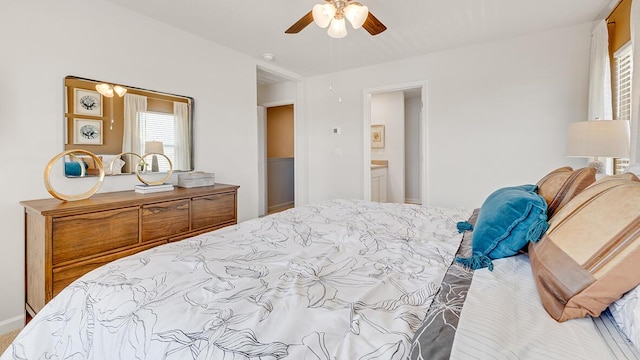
562 184
91 163
589 256
624 176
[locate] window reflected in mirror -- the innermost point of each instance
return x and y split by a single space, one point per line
114 120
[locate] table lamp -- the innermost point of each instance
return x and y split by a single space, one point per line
598 138
154 147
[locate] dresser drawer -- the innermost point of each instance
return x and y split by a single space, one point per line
79 236
165 219
65 275
213 210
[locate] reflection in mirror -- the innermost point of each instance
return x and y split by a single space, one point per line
73 168
114 120
153 164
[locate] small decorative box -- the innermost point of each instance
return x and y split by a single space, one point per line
196 179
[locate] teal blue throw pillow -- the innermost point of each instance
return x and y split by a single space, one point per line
508 219
73 168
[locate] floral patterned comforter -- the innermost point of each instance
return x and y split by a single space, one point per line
434 339
341 279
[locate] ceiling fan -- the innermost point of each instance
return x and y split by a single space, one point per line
333 13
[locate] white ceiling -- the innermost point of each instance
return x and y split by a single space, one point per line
415 27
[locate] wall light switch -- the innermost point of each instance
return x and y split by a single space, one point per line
337 152
336 131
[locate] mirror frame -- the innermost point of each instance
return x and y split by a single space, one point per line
108 114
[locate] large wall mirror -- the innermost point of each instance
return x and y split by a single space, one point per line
121 123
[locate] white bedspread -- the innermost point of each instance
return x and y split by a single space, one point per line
339 280
503 318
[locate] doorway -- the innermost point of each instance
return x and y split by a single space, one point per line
399 109
277 169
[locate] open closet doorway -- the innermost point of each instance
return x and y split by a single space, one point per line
395 144
280 91
277 171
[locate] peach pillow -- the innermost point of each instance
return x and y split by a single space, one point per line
562 184
588 257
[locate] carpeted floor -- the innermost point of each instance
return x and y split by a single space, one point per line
6 339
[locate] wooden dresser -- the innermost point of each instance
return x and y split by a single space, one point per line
64 240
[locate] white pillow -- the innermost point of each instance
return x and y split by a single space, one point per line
117 164
633 168
626 312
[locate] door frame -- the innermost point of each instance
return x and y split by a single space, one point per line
366 170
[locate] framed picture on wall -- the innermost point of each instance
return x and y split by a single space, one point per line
87 132
377 136
87 102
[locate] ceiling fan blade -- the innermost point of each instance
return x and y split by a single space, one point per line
373 25
300 24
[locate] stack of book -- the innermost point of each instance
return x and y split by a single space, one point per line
147 189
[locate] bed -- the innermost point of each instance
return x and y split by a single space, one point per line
335 280
342 279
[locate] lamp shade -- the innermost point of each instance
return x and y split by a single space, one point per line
323 13
153 147
108 90
105 90
356 13
119 90
606 138
337 29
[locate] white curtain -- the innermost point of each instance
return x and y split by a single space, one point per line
600 106
182 159
131 137
635 83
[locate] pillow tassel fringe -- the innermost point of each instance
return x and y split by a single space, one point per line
538 228
464 226
477 261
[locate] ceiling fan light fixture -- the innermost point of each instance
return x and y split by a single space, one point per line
323 14
109 90
333 13
356 13
119 90
105 90
337 29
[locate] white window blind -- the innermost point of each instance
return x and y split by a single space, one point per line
622 94
156 126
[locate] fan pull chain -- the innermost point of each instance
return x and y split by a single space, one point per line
334 53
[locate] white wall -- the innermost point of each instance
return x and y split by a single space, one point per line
276 94
280 183
44 41
412 110
497 115
388 109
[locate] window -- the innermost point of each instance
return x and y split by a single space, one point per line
156 126
622 93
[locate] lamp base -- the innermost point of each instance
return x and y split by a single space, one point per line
598 165
154 164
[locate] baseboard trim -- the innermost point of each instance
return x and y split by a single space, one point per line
280 206
412 201
16 322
